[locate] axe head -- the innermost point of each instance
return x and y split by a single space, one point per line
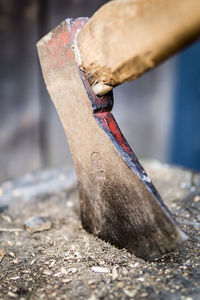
118 200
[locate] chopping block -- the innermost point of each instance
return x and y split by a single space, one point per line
67 262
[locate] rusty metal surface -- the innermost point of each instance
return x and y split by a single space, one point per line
118 200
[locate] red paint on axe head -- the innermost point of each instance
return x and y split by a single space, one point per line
59 46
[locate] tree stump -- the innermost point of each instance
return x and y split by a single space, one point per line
65 262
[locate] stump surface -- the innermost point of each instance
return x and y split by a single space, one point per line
66 262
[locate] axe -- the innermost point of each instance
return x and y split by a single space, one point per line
82 60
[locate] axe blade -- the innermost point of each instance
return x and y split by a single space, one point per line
118 201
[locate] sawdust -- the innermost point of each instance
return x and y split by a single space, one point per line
68 263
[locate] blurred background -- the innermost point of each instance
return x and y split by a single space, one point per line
159 113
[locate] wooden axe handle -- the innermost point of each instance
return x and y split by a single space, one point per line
126 38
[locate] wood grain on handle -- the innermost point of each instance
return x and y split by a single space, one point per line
126 38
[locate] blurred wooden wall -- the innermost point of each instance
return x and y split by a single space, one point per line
19 103
30 131
31 135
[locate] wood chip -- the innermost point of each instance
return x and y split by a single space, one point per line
52 263
120 284
58 274
18 243
47 272
10 229
6 218
26 271
38 223
99 270
196 199
114 273
11 254
33 261
13 295
93 297
66 280
10 243
15 261
14 278
130 293
91 282
2 254
63 270
72 270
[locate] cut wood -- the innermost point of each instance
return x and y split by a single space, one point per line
126 38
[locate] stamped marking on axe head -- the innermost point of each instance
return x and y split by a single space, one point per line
118 201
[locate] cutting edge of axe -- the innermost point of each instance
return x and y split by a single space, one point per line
119 203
